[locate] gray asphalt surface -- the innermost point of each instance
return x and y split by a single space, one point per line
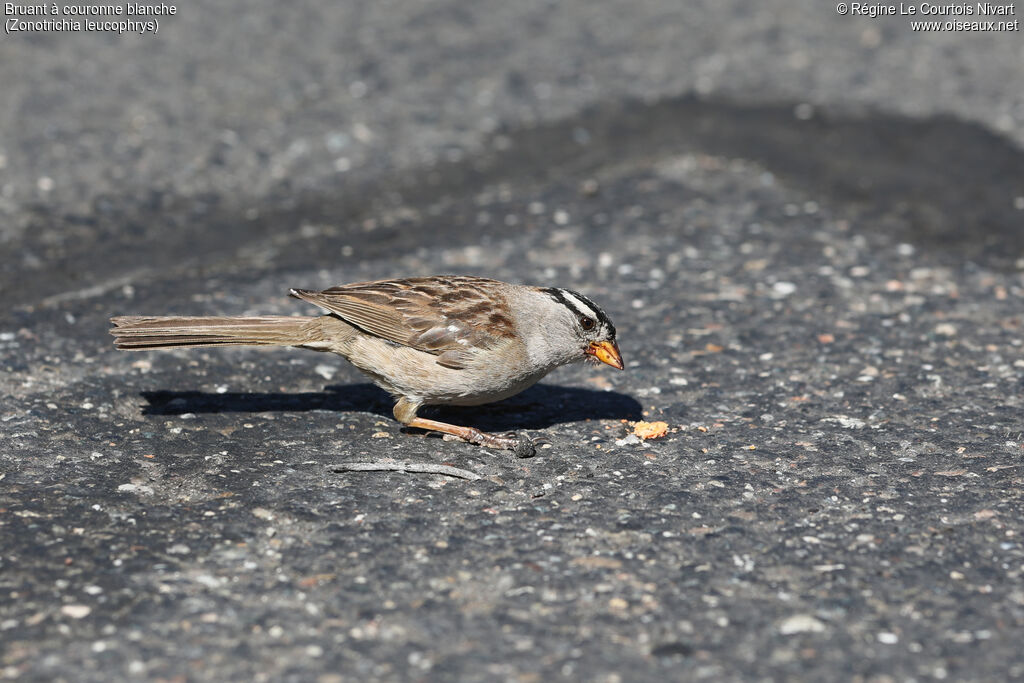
806 226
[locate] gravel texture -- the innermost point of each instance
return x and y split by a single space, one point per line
808 229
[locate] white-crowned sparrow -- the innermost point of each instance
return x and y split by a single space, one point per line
442 340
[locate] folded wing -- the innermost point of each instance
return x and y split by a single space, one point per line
451 317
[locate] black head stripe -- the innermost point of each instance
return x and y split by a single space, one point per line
559 295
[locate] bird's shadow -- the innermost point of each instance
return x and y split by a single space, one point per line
539 407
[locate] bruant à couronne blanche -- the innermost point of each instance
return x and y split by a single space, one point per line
131 9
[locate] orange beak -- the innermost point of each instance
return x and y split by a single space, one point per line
607 352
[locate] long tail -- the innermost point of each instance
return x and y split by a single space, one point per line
138 333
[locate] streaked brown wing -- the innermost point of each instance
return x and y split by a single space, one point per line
448 316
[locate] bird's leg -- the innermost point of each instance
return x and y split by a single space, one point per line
470 434
405 412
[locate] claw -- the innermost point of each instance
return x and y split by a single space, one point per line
526 448
521 445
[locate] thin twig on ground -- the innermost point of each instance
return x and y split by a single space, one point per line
412 467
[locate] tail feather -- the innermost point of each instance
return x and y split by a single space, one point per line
167 332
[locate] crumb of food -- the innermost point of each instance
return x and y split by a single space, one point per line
650 430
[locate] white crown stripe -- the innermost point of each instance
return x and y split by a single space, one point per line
581 306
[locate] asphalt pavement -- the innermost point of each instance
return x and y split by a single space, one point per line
808 228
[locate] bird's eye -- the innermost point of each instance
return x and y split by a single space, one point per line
587 323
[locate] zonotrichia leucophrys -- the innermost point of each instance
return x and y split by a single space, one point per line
443 340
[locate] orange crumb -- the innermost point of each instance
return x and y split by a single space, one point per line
650 430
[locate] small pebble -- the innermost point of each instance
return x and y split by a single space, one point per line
325 371
76 611
783 289
800 623
136 488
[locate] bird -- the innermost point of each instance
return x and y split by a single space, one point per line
439 340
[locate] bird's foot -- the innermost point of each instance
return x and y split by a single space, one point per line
522 446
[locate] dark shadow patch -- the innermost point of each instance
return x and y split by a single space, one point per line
951 185
351 397
545 405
